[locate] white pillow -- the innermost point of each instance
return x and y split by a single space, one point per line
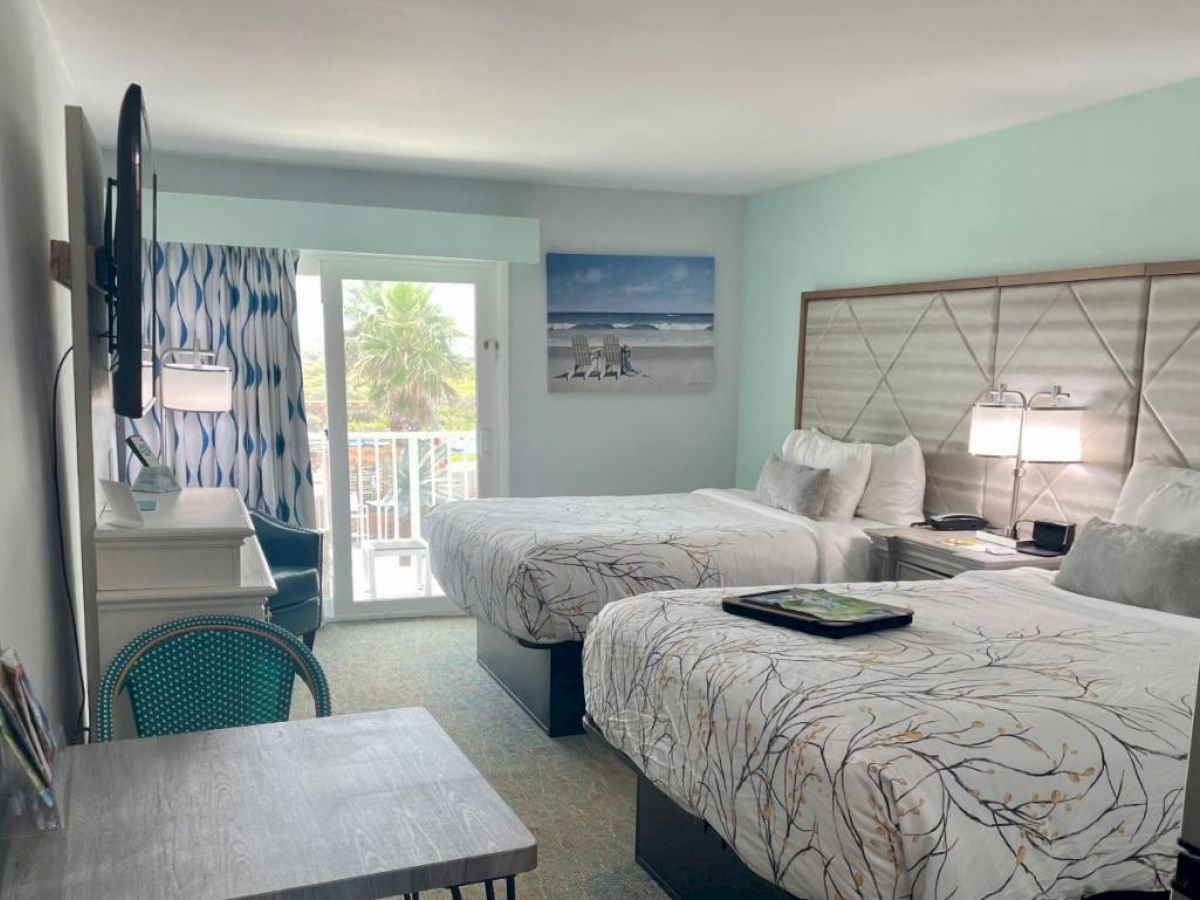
1143 479
849 466
1171 507
895 491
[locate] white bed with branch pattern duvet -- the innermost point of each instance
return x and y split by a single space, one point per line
541 568
1015 741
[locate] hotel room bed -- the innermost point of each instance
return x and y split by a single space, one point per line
540 569
1017 740
535 571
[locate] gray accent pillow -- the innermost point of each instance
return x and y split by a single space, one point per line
1135 566
793 487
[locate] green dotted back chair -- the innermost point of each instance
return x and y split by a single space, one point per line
206 672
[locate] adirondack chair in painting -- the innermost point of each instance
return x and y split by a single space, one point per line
612 356
586 359
582 357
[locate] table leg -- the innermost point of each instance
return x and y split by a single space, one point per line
510 887
489 890
456 892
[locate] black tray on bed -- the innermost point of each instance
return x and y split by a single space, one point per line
817 611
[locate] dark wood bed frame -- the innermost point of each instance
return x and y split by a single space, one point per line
546 680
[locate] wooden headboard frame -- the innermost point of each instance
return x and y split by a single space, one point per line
1117 287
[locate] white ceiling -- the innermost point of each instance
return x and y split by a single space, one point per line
696 95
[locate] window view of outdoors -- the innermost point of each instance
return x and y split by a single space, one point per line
410 405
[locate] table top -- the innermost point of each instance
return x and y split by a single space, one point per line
976 558
356 806
190 514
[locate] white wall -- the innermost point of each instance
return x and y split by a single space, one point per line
34 330
561 443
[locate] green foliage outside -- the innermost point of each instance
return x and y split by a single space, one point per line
403 372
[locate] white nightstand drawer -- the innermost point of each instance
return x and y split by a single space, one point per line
906 571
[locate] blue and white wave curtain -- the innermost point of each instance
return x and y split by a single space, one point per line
239 302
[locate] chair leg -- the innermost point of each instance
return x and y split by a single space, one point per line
310 638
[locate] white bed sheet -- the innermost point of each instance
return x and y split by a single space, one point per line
1015 741
541 568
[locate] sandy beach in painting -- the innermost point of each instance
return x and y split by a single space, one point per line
662 368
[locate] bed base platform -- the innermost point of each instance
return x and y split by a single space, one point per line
546 680
686 857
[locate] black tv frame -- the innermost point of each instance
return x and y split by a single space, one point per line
125 258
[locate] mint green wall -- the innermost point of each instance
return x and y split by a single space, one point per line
1113 183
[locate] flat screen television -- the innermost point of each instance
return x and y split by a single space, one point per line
132 250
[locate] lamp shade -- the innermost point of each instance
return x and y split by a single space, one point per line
194 387
147 381
995 430
1053 434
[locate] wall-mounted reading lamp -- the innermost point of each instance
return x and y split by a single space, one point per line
1009 425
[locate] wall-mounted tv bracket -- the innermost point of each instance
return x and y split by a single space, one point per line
106 274
102 271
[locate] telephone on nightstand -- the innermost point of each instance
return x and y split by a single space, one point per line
956 522
155 478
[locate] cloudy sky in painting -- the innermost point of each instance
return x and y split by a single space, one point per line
579 282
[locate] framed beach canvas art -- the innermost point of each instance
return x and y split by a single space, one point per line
634 324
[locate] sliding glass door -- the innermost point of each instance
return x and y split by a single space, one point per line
414 386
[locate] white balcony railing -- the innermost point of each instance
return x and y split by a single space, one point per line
383 466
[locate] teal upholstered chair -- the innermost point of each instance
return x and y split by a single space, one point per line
294 557
205 672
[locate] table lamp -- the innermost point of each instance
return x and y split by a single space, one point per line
1008 424
196 386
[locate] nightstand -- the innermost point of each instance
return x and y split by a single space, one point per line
922 554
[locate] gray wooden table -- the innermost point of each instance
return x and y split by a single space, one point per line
365 805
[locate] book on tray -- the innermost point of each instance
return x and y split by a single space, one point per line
817 611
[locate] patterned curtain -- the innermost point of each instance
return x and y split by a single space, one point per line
239 302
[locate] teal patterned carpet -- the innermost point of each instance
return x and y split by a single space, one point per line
572 793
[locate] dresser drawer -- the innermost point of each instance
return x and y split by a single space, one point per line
906 571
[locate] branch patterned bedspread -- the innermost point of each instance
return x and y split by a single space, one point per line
1016 741
541 568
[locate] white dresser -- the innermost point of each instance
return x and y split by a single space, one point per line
196 555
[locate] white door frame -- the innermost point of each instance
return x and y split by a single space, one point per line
491 336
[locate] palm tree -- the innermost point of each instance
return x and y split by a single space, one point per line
400 348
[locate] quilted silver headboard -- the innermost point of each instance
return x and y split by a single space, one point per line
878 368
878 364
1169 418
1086 336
